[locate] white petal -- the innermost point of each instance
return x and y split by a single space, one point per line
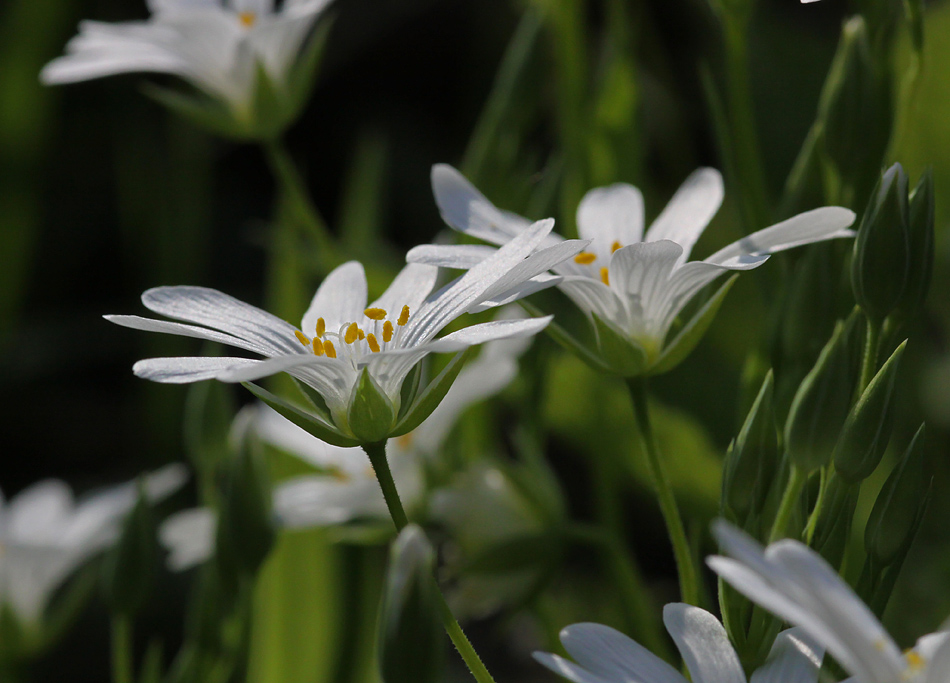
609 215
31 574
593 296
829 222
278 40
794 658
155 6
568 670
459 256
86 66
535 284
38 512
703 642
340 299
689 211
187 369
281 433
319 501
410 288
533 265
639 274
150 325
189 537
610 654
938 661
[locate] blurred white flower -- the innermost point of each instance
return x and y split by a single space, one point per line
45 534
797 585
635 283
604 655
217 45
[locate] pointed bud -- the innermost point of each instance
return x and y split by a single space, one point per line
880 267
129 567
895 511
371 415
411 640
752 459
867 430
821 403
833 530
920 240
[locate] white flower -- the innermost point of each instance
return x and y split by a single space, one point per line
340 336
634 282
604 655
797 585
217 45
45 535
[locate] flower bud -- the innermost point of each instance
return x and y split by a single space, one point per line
894 515
371 415
920 246
411 641
752 459
821 402
128 570
867 430
880 267
833 529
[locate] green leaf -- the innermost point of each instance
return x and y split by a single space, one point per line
433 394
152 663
621 353
301 418
371 414
692 332
567 341
128 570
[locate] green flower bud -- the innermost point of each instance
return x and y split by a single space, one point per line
821 402
833 529
371 415
880 267
752 459
867 430
920 241
894 515
129 567
245 531
411 640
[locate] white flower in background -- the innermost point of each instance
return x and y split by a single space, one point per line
604 655
797 585
346 488
340 336
219 46
45 534
634 282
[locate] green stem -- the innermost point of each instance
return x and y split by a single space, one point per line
688 576
377 458
872 345
796 481
122 671
826 477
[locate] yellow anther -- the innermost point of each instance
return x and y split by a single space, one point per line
373 344
318 347
248 19
338 474
403 316
387 331
329 349
321 327
615 246
914 661
359 331
352 333
585 257
605 275
302 338
375 313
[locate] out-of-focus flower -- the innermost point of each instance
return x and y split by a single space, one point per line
239 52
604 655
45 535
633 285
797 585
354 356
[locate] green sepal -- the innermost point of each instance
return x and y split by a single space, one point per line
306 421
315 401
205 112
371 413
568 341
432 395
411 640
867 430
686 340
893 518
129 567
410 389
620 352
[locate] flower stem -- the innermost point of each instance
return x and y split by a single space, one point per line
122 671
688 576
793 489
377 458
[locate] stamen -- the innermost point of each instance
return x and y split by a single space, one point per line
387 331
605 275
373 344
329 349
375 313
302 338
352 333
615 246
318 347
359 331
248 19
915 661
585 257
321 327
403 316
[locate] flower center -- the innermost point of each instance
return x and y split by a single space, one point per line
248 19
915 664
351 340
586 258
